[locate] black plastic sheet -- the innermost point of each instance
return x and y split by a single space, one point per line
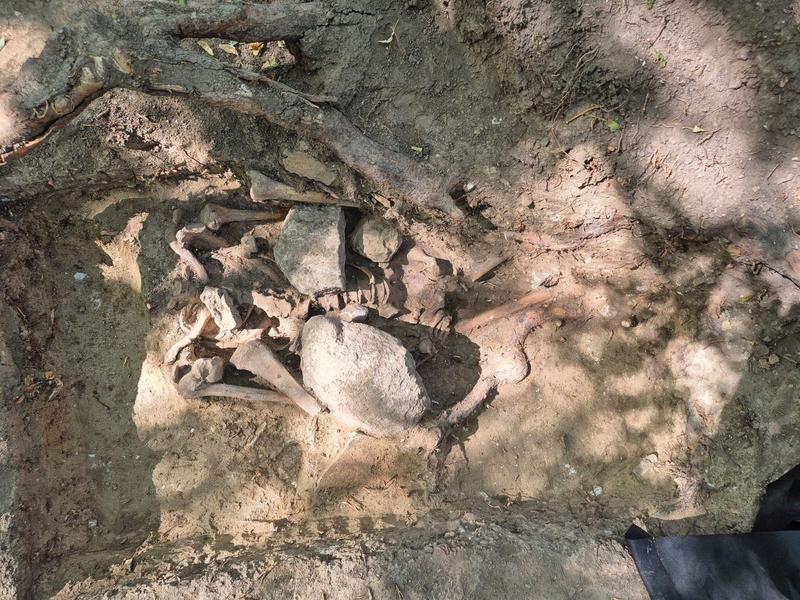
762 565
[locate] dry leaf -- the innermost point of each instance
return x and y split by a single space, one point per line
697 129
270 64
204 45
229 49
256 47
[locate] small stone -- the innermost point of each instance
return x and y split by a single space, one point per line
222 308
364 376
310 250
774 359
79 276
309 167
376 239
354 313
597 491
426 346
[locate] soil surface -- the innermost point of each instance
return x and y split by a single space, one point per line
671 399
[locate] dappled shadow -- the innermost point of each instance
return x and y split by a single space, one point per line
673 396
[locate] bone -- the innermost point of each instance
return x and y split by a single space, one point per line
263 188
234 339
186 255
215 216
202 319
259 360
285 305
503 311
503 365
201 382
483 268
197 233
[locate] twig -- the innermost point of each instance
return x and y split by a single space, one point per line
708 137
583 112
257 435
775 168
660 31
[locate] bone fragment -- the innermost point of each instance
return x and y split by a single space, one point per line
186 255
503 311
198 234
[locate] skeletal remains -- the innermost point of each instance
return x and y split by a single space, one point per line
362 375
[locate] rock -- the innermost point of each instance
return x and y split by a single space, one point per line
376 239
310 250
354 313
309 167
364 376
222 308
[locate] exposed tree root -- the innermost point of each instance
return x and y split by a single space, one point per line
141 51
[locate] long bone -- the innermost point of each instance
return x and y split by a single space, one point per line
215 216
202 382
259 360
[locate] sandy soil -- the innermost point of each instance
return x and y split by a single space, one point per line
671 401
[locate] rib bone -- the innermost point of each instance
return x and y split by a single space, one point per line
202 319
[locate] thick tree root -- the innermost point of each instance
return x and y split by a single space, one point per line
141 51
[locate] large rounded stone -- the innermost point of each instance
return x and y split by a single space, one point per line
363 375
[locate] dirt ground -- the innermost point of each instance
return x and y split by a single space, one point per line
670 401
